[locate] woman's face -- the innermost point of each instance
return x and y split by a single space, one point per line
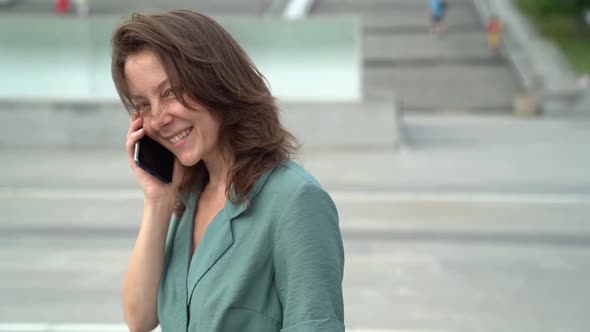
192 135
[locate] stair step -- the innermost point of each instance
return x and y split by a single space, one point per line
104 124
444 86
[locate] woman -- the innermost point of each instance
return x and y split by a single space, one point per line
243 239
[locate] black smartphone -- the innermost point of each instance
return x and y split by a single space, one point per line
154 158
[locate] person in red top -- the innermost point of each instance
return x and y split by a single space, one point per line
494 27
62 6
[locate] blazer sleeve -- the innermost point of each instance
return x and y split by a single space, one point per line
309 263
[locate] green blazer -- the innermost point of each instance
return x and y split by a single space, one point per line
274 266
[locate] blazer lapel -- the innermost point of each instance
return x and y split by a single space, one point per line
218 238
173 285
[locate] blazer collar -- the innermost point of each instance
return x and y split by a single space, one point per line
234 210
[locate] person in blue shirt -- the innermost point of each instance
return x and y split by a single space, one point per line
437 13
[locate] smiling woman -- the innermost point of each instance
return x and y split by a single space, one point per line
191 132
243 239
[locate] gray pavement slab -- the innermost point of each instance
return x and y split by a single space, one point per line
105 124
464 47
391 282
510 220
444 87
441 153
421 286
479 223
469 154
62 278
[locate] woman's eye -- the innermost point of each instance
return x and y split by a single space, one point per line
142 108
169 93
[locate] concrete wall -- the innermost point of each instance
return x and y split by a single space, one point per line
67 58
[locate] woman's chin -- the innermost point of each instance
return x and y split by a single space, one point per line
188 161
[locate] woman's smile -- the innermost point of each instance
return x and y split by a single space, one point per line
181 138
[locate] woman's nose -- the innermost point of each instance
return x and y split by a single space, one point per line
160 118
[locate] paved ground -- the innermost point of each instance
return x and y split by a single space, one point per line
478 224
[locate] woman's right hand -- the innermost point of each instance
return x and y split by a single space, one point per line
153 188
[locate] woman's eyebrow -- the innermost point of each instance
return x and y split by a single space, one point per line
135 98
161 85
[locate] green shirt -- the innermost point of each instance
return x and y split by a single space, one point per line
274 266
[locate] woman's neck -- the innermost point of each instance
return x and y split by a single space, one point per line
218 167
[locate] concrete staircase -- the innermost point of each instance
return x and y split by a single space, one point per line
318 56
453 72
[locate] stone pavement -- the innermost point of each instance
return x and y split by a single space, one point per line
478 224
440 154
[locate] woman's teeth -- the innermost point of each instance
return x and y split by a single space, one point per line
180 136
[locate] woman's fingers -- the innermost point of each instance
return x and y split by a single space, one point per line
132 139
135 126
136 123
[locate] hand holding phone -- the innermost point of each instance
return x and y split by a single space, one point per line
154 183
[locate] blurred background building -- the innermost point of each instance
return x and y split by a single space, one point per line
461 175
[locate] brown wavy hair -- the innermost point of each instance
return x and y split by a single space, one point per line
203 62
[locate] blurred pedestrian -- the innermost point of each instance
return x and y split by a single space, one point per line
438 9
82 8
494 28
62 6
243 238
265 7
